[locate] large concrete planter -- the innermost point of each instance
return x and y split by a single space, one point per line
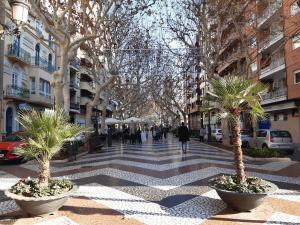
40 206
243 202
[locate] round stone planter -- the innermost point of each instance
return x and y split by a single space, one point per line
243 202
41 206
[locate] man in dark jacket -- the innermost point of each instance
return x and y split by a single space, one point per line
183 134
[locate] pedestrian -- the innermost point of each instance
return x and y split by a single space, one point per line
132 132
183 134
202 131
138 136
165 132
144 136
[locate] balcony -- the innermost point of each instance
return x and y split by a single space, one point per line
275 66
271 40
274 96
74 85
75 63
85 100
19 54
43 64
42 98
14 91
233 57
229 40
88 86
269 12
75 106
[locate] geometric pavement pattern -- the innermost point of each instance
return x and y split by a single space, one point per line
154 183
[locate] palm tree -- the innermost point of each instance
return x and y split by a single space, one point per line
233 95
48 131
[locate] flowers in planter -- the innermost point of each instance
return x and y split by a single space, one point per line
230 183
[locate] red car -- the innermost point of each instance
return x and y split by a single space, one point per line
8 146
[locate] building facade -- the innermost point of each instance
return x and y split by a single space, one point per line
272 31
29 60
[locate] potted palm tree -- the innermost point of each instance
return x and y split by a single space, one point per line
232 96
48 131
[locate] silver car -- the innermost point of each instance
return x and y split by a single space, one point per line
280 140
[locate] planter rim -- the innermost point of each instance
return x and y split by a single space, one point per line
24 198
272 190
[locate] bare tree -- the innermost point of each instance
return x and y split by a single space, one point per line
71 23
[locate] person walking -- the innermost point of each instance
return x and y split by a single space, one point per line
183 134
202 131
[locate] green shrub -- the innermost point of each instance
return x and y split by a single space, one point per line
264 153
229 183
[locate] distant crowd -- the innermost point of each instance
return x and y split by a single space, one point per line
137 134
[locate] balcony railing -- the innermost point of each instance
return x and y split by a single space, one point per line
271 39
74 106
19 53
43 64
274 95
274 64
271 9
75 63
16 91
74 84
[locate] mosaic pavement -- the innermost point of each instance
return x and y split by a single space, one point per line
155 184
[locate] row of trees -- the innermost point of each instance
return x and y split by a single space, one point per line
103 31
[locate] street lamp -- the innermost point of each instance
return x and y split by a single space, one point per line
20 11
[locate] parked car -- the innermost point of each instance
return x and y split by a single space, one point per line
246 138
7 147
217 135
280 140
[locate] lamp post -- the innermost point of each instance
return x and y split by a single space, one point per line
20 11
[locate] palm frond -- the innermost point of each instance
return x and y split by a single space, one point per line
48 131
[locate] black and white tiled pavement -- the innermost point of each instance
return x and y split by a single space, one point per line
155 183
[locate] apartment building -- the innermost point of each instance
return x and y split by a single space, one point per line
194 87
29 60
272 30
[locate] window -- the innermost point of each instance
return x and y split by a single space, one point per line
297 77
14 79
37 54
50 62
294 8
261 133
296 41
276 117
50 42
32 85
38 27
252 42
45 89
285 116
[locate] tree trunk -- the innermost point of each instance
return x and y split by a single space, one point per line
66 92
237 147
58 93
102 131
88 115
225 131
58 83
44 174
